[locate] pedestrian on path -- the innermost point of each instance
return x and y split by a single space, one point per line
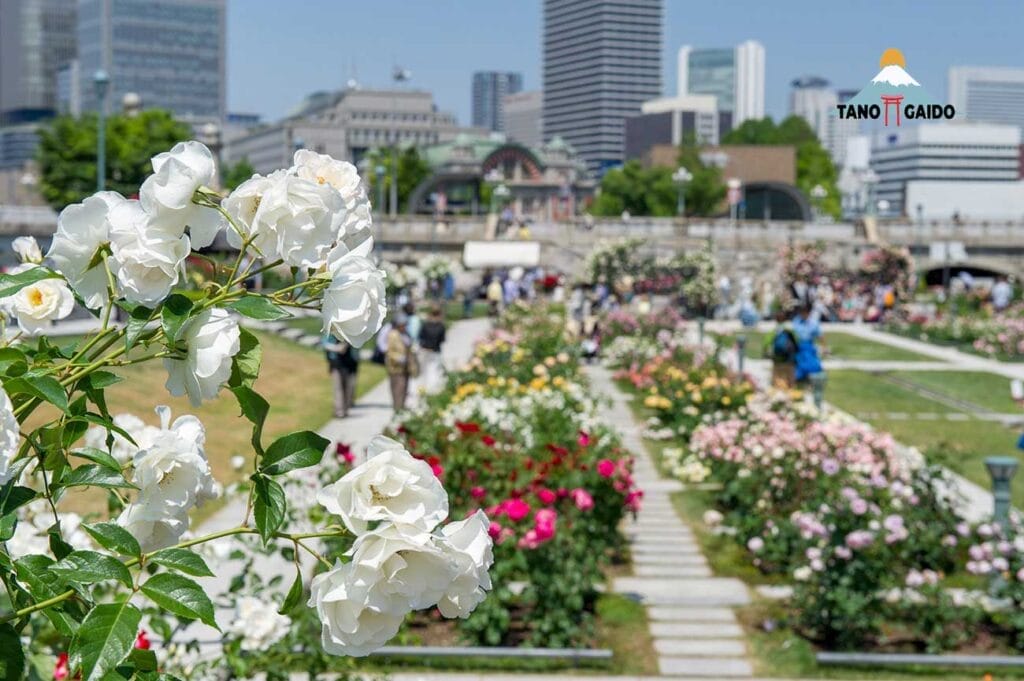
343 365
400 361
780 347
432 337
807 330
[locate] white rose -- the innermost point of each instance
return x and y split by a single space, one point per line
153 527
304 217
343 177
243 206
122 450
82 229
167 193
174 472
27 250
147 261
470 547
258 624
404 562
355 303
390 485
38 304
212 340
355 618
10 438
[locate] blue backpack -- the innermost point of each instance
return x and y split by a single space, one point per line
784 346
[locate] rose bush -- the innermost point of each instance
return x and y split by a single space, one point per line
77 591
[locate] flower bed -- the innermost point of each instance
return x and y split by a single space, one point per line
863 529
516 433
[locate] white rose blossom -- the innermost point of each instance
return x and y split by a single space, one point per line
390 485
122 450
37 305
211 339
82 229
355 302
167 193
355 229
147 261
406 564
243 206
303 216
471 549
27 249
258 624
10 437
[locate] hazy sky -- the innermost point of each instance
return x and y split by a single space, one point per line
280 50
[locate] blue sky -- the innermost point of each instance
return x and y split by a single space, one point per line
280 50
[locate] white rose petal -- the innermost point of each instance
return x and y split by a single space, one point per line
469 545
122 450
27 249
153 527
355 229
37 305
243 206
167 194
212 340
10 438
303 216
355 618
82 229
258 624
355 303
404 562
147 261
390 485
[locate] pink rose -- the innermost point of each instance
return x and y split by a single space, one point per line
546 496
478 493
582 499
515 509
605 468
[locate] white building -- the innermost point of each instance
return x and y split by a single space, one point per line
814 99
958 155
735 76
523 113
988 94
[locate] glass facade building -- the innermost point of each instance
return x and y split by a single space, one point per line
713 72
37 38
489 87
169 52
602 60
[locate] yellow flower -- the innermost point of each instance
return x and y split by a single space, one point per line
696 397
726 400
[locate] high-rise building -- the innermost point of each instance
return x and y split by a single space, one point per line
674 120
602 60
814 99
171 53
988 94
37 38
489 87
735 76
523 117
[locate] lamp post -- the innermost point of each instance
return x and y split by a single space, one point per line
101 81
741 351
398 75
681 177
379 171
818 381
818 193
734 184
1001 469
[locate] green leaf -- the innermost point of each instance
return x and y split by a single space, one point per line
113 537
105 638
10 357
182 560
98 457
12 662
258 307
254 408
245 366
296 450
138 318
174 314
96 476
294 596
34 574
144 660
89 567
12 496
12 283
181 596
270 506
45 388
99 380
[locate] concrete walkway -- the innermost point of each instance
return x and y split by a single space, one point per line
696 634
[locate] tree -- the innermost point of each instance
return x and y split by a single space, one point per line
705 190
234 175
67 153
813 164
412 170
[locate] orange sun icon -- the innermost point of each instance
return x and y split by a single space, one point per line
892 56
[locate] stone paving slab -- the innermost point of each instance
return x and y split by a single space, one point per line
696 630
662 559
705 667
666 613
679 548
673 571
709 647
697 591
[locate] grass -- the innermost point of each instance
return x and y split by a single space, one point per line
840 345
860 392
989 391
293 379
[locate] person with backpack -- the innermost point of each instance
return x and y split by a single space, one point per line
807 331
780 348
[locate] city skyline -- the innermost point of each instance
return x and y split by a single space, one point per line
843 45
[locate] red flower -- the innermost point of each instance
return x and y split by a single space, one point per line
435 465
467 427
584 439
142 641
546 496
606 468
61 669
488 440
478 493
515 509
559 451
344 451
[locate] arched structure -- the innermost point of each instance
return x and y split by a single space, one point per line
775 201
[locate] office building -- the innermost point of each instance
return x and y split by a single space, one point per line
37 38
602 60
673 120
950 153
489 89
814 99
346 124
735 76
523 112
171 53
988 94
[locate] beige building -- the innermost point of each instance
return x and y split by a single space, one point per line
747 162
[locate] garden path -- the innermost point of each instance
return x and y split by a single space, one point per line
695 631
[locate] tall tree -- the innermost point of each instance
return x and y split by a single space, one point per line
67 153
705 190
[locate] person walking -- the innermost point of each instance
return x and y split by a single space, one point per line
432 337
399 361
780 347
343 365
807 330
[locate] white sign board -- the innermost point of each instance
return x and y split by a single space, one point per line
481 254
952 251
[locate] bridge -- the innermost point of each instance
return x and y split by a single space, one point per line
748 247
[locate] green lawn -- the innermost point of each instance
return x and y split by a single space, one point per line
860 392
989 391
840 346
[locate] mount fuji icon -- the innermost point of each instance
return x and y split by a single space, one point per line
893 79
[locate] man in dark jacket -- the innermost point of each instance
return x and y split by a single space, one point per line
343 364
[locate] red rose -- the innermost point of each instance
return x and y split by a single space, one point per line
61 669
546 496
142 641
606 468
467 427
488 440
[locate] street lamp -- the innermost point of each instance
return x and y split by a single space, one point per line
681 177
734 184
818 193
398 75
1001 469
101 81
379 171
870 179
